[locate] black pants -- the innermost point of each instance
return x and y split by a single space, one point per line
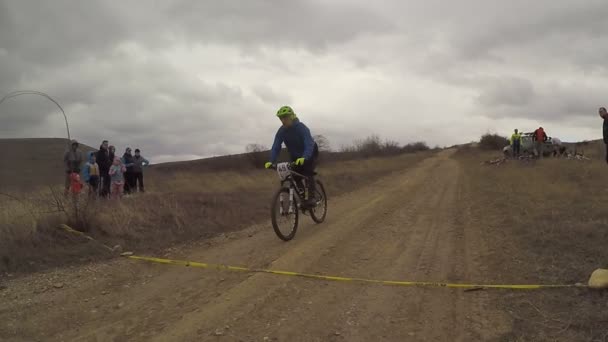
606 152
308 170
94 183
516 148
105 184
129 186
138 181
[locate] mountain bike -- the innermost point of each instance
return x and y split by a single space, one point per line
287 202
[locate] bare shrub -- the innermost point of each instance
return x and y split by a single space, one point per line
391 147
256 153
373 146
322 142
490 141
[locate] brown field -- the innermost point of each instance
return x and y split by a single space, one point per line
425 217
547 222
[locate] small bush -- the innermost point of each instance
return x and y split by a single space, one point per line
493 142
369 147
418 146
391 147
373 146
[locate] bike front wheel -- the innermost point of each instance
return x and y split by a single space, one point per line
284 215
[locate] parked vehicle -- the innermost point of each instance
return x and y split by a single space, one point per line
552 145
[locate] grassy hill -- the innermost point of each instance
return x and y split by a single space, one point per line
38 162
32 163
593 148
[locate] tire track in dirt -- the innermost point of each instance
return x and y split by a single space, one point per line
261 294
387 238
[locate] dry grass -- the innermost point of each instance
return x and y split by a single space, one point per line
549 222
178 206
595 149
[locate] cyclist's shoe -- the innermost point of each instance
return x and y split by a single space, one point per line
310 203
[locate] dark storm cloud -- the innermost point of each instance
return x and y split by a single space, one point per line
56 32
312 24
554 102
507 92
569 22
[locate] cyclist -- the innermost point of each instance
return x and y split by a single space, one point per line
302 148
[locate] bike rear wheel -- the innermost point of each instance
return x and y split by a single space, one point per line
319 212
284 215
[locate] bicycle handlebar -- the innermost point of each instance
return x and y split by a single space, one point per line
274 166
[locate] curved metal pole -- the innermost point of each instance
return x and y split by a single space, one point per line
33 92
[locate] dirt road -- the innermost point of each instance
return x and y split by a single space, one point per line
413 225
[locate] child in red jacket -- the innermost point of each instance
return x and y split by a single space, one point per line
75 184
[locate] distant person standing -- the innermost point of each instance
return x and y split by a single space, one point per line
604 115
539 137
116 172
127 161
91 174
516 143
138 170
72 160
112 153
112 156
104 162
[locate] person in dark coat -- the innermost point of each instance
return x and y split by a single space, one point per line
138 170
127 161
604 116
72 159
104 161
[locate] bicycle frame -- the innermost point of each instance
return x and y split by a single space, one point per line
287 176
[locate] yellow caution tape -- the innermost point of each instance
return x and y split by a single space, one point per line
347 279
75 232
324 277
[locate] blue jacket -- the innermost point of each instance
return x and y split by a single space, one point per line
297 139
86 175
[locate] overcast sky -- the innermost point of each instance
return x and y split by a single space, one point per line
190 79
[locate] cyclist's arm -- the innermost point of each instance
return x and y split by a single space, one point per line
276 146
309 142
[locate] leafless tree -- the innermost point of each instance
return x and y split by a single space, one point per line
323 143
256 154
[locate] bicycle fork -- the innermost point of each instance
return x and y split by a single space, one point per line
291 206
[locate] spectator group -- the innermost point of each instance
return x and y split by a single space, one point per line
105 174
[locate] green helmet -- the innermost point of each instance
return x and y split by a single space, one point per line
285 110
